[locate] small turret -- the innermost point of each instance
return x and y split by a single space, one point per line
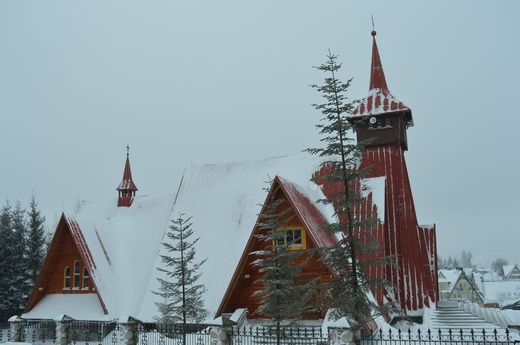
127 186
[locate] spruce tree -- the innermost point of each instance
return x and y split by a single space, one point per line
20 284
6 254
283 299
182 295
37 240
357 250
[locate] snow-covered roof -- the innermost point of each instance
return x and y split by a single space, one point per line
224 201
377 102
449 276
122 246
501 292
84 307
119 245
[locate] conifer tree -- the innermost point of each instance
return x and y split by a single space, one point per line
182 295
465 259
6 269
20 283
37 240
283 299
357 250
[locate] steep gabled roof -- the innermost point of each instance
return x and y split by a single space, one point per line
304 203
118 246
311 213
224 202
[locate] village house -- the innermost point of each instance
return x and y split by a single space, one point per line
103 260
458 285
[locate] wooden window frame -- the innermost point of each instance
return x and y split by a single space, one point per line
295 246
66 278
77 275
85 281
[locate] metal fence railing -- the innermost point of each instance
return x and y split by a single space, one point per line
104 333
443 337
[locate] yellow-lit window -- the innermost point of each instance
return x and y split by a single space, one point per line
295 237
66 278
85 279
77 272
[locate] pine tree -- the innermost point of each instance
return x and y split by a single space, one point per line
283 299
37 240
465 259
455 263
358 250
182 295
6 253
498 266
20 286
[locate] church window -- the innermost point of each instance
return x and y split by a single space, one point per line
85 279
66 278
76 274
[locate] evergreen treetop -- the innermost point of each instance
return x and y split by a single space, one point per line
357 249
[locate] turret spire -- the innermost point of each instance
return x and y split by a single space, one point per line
377 75
127 187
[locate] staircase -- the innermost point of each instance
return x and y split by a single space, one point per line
465 316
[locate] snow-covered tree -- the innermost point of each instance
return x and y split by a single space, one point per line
20 282
465 259
6 255
498 266
284 298
16 281
182 295
357 250
37 240
455 263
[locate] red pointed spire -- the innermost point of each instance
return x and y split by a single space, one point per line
379 100
377 75
127 187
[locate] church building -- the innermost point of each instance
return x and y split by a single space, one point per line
102 264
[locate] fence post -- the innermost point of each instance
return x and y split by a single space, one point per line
219 336
16 326
62 330
343 336
130 332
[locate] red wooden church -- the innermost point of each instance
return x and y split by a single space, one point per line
102 262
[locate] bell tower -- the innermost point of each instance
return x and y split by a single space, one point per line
380 118
127 187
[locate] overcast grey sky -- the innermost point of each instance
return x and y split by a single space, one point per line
196 82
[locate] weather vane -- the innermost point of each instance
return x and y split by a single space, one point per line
127 149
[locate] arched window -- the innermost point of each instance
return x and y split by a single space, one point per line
66 278
77 272
85 278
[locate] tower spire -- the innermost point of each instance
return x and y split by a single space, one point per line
127 187
377 75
